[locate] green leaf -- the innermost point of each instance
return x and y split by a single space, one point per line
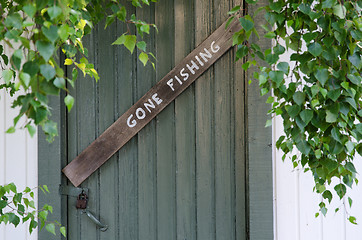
45 49
341 190
306 115
142 45
350 167
47 71
30 10
69 102
120 40
31 130
299 97
63 231
242 51
340 11
293 110
63 32
246 24
14 20
355 59
54 12
277 77
303 147
284 67
355 79
331 117
10 130
50 228
145 28
7 75
322 75
352 220
50 128
31 68
59 83
25 78
315 49
130 42
328 3
234 10
143 58
50 33
334 94
350 201
327 195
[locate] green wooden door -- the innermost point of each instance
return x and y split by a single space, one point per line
186 175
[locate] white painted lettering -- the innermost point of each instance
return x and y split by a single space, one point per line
205 55
149 104
216 49
131 123
140 113
156 99
170 84
178 80
192 67
198 59
184 75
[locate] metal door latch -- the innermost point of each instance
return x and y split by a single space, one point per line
82 203
102 227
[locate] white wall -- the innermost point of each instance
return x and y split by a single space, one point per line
295 204
18 163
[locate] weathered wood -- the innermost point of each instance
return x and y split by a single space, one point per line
165 135
224 139
205 148
147 146
259 150
161 94
185 127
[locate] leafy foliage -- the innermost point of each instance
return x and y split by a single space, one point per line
16 207
35 31
318 91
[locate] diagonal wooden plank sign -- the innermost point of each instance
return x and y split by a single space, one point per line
151 104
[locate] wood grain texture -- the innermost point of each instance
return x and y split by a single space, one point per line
204 110
185 127
259 150
165 136
179 177
119 133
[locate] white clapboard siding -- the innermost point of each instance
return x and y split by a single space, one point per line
18 162
295 204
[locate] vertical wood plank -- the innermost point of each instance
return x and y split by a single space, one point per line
74 221
128 226
223 137
185 128
88 126
260 200
166 210
82 131
239 154
204 135
108 174
147 188
51 159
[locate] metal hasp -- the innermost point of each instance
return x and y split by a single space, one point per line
102 227
82 204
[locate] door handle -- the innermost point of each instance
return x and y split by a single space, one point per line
102 227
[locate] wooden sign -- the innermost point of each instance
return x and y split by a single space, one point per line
152 103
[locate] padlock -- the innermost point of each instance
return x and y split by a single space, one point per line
82 201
